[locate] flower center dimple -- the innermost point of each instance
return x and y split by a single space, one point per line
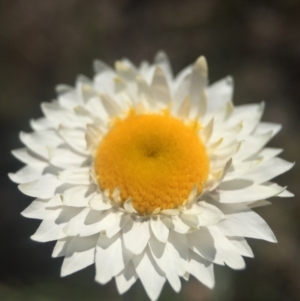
153 158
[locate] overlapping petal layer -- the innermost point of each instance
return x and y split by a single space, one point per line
92 226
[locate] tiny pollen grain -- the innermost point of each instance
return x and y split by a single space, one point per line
155 159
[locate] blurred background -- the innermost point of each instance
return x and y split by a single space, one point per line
44 43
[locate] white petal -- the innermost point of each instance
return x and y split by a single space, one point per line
60 116
249 115
37 209
85 91
170 212
198 84
104 82
126 70
46 138
100 67
26 174
60 248
166 262
116 196
225 250
182 75
126 279
286 194
219 93
175 223
89 222
251 145
250 224
75 138
37 142
43 188
93 137
126 82
248 194
202 243
202 269
210 214
80 254
66 158
63 88
99 202
241 246
83 114
136 234
146 70
118 223
265 127
182 90
128 206
236 184
159 87
111 107
51 227
159 229
78 196
109 258
80 176
178 248
259 204
24 155
208 131
96 108
190 220
268 170
150 275
41 124
68 97
162 60
54 202
269 152
144 92
184 109
238 170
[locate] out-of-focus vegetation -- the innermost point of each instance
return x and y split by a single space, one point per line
43 43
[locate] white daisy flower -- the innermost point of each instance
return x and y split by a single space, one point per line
149 176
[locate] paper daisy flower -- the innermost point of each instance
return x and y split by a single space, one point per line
149 176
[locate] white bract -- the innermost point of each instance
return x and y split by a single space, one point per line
93 225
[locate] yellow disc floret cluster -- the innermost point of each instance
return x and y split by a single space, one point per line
155 159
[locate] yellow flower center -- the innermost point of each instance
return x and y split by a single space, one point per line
153 158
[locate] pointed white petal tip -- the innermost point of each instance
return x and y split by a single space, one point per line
116 196
100 66
62 88
121 66
210 214
156 211
286 194
229 80
100 202
129 207
81 78
160 55
184 108
202 63
192 196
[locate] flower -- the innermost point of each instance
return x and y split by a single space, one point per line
148 175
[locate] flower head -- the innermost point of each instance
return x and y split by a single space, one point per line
148 175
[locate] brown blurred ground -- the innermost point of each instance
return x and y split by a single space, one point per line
46 42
